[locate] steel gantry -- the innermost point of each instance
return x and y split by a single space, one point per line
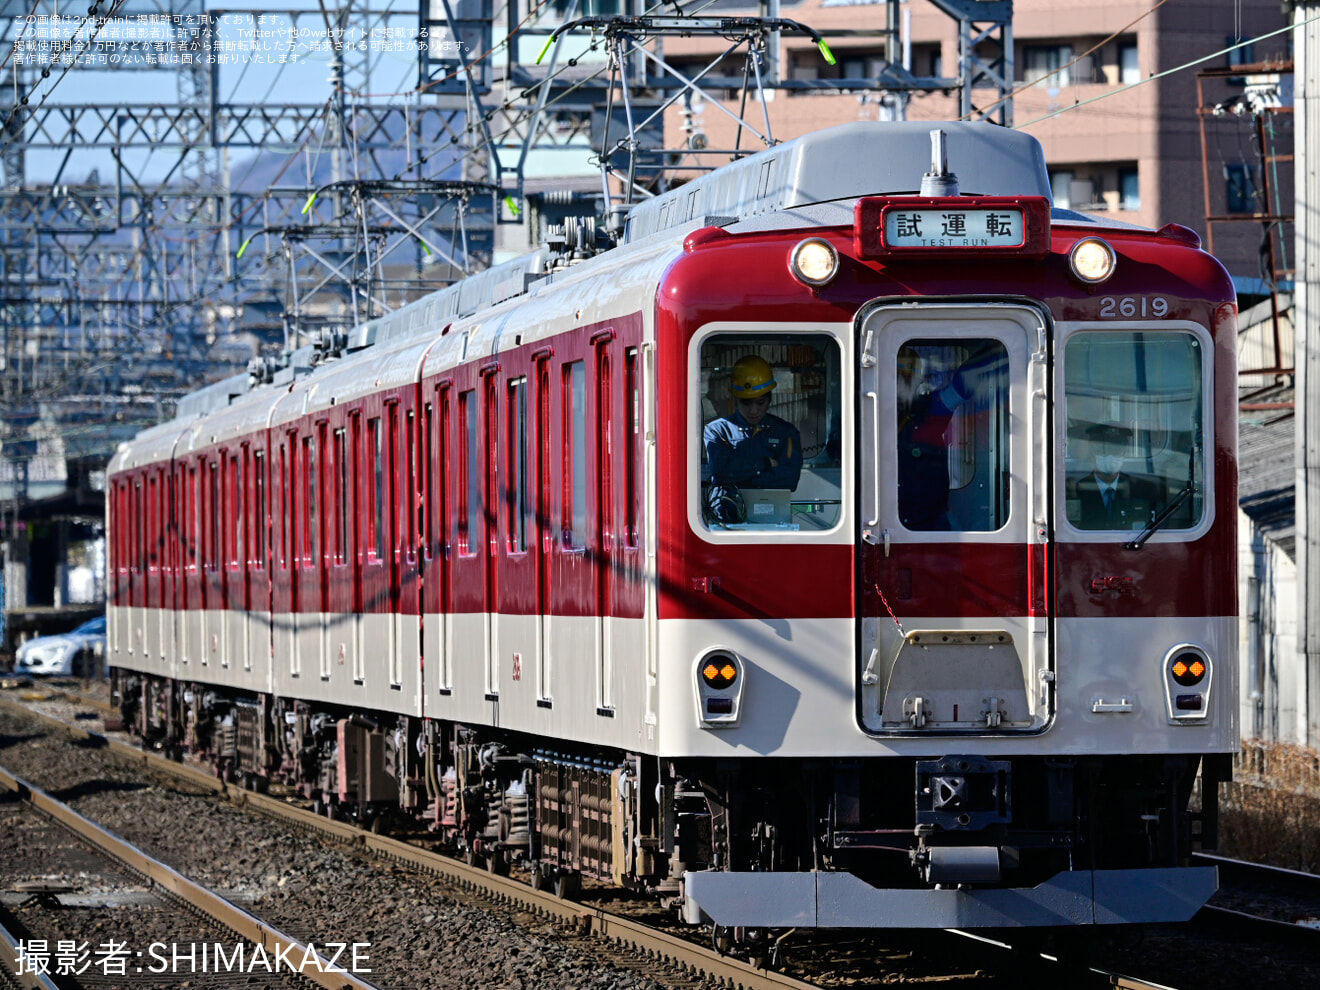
163 220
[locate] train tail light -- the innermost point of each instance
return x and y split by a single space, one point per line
1187 676
719 683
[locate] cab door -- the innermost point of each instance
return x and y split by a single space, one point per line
954 520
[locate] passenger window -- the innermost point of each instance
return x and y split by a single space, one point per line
575 455
952 442
771 432
1135 452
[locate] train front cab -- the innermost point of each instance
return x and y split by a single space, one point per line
1044 668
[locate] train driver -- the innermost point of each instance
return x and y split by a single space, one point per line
1108 497
752 448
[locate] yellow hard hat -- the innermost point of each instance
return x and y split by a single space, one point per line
752 377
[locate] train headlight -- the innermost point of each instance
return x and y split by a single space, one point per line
1187 676
719 683
1092 260
814 261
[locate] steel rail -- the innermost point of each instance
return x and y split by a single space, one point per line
232 917
636 936
10 965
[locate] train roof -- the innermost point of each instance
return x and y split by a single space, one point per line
867 158
810 181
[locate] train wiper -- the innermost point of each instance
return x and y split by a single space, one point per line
1160 518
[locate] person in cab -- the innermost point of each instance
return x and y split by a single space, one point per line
752 447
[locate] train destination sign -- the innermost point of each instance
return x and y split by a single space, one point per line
1014 225
954 228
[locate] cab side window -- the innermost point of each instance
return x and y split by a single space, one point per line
770 415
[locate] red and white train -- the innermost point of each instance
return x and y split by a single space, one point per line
965 668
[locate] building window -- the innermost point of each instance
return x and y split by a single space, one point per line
1240 185
1242 54
1047 62
1129 189
1061 188
1128 70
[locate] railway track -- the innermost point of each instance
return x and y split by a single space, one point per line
84 917
677 961
1270 900
680 955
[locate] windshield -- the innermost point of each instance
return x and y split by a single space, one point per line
92 627
1133 404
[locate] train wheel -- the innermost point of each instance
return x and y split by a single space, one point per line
497 863
568 885
720 940
536 878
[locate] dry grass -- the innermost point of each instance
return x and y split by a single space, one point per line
1270 813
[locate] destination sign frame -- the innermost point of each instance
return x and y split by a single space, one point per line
1013 226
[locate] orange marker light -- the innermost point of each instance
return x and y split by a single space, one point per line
719 672
1188 669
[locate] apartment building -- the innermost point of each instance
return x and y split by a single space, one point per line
1099 84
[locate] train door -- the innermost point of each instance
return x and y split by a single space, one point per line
407 614
543 537
257 583
343 566
236 509
954 516
437 602
469 619
284 569
213 570
192 603
310 586
155 574
603 537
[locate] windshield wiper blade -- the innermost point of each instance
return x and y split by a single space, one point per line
1163 515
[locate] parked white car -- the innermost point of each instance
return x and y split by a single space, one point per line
66 655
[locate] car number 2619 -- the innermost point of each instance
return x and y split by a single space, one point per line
1128 307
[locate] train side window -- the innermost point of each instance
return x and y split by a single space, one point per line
286 520
469 473
1134 408
342 508
408 502
213 509
376 491
262 513
954 425
770 415
309 519
575 455
235 513
519 500
139 538
632 439
153 515
191 514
